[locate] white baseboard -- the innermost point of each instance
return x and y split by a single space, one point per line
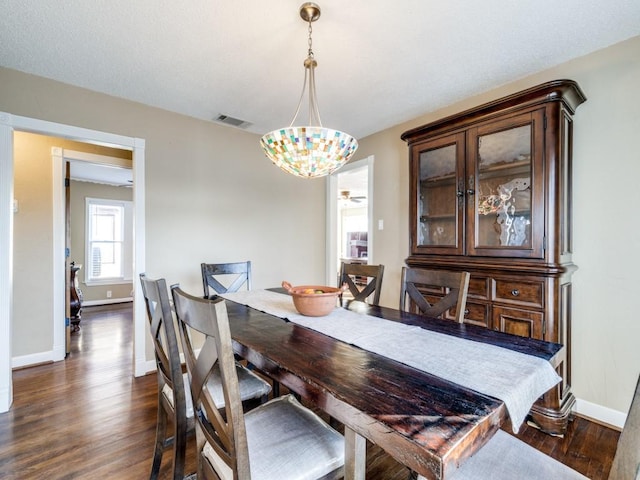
106 301
601 414
59 353
35 358
144 367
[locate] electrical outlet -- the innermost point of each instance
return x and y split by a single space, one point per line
108 293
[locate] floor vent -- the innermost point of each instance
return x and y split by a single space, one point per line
234 122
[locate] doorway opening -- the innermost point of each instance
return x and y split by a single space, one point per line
104 269
350 219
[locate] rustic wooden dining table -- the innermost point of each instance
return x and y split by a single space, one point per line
423 421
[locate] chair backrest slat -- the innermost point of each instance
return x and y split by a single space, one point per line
212 285
374 273
412 299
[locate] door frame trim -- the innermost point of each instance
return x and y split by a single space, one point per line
8 124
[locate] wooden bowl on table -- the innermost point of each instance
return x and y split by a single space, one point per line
314 300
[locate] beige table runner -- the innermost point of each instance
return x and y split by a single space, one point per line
515 378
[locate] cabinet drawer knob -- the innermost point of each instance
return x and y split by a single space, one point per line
466 311
515 292
459 193
471 192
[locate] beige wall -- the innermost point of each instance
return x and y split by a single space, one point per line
33 240
211 195
606 324
77 212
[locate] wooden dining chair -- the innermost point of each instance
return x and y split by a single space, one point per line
416 283
174 396
505 457
278 440
363 281
172 399
236 274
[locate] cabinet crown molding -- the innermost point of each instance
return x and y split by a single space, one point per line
566 91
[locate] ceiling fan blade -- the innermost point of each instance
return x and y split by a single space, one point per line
344 195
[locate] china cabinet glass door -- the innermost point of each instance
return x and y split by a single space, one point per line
503 194
440 195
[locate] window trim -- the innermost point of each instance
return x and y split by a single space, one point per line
127 242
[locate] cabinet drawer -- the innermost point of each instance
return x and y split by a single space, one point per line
475 314
478 287
524 323
518 292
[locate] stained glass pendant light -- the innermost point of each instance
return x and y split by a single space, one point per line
312 150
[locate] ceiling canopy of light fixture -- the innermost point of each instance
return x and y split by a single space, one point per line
312 150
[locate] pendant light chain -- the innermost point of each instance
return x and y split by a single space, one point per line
311 150
310 40
310 64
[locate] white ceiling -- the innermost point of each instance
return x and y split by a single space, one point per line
380 62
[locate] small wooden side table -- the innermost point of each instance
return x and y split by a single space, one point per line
75 298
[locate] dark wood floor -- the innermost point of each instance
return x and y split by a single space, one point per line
88 417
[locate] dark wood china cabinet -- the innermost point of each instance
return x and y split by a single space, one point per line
490 193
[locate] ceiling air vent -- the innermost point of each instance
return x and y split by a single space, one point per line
234 122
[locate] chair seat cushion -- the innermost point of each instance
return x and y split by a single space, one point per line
287 441
504 457
251 386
